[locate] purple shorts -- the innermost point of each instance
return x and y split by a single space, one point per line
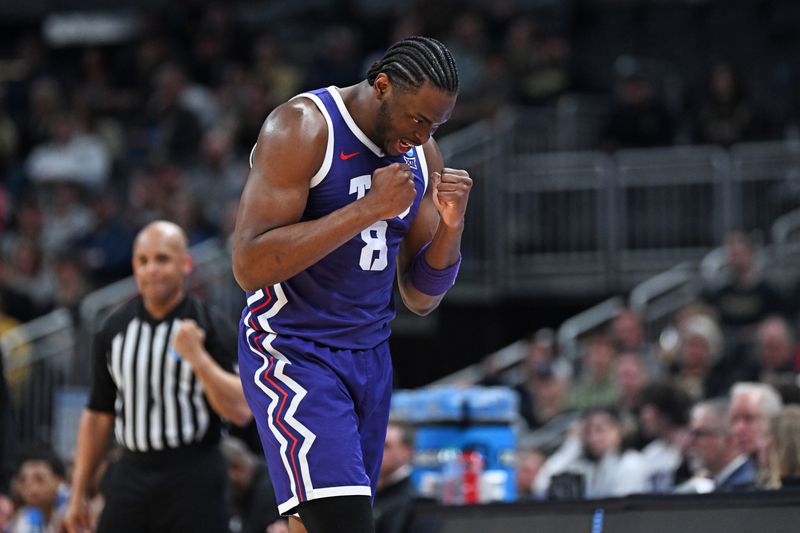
321 414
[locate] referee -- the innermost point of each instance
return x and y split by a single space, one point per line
163 377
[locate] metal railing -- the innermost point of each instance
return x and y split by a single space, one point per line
39 358
478 149
765 183
556 213
657 299
543 222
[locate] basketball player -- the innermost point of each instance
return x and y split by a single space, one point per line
347 187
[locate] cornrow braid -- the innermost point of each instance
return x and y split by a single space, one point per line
415 60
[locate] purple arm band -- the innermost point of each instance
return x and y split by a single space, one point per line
429 280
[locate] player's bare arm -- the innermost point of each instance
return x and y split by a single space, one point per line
440 221
270 242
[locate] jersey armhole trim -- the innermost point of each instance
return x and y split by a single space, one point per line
423 163
327 161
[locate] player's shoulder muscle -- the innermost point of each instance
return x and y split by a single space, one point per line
293 137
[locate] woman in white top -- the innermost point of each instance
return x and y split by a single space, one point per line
593 452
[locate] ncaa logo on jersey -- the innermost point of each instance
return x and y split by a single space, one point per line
410 160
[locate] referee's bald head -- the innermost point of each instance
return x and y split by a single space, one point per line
166 230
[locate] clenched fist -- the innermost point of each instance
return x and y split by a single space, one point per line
392 190
188 340
450 195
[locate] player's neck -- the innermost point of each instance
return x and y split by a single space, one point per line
362 106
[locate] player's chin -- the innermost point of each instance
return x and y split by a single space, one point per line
392 150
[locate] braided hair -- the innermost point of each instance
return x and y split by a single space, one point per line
415 60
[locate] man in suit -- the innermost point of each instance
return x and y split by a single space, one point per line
712 446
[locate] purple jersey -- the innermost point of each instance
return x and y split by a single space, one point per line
344 300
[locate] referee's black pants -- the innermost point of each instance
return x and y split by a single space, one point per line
176 491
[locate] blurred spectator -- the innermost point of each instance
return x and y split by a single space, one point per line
631 378
9 141
627 332
544 385
97 87
151 52
27 224
468 42
746 297
213 43
219 174
775 354
106 249
70 155
751 406
542 394
337 58
44 103
143 198
718 464
537 62
43 494
6 513
780 450
71 283
700 348
664 418
731 366
638 118
274 72
628 335
172 130
542 349
228 223
395 493
255 105
726 115
28 272
595 386
66 217
186 210
254 506
594 456
5 205
529 463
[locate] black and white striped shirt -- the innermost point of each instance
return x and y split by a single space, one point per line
157 401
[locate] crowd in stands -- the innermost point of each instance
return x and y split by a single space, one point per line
638 413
